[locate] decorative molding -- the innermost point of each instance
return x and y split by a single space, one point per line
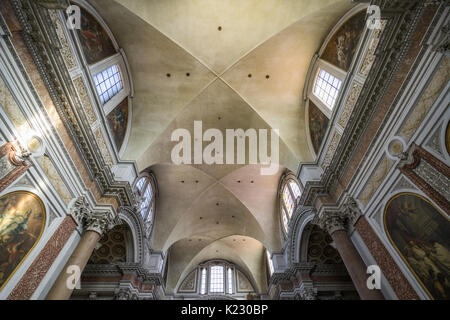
430 175
391 52
12 165
97 221
42 42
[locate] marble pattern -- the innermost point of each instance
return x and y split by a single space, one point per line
331 149
384 260
52 174
11 107
349 104
433 177
65 50
369 58
103 148
426 101
85 100
376 178
36 272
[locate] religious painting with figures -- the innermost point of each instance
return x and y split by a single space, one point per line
22 221
419 232
342 46
94 40
318 125
118 121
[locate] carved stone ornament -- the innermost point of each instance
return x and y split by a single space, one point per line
125 294
53 4
332 222
97 221
352 211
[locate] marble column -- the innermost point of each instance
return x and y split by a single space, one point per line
334 224
95 224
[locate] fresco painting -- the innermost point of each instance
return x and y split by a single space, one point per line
342 46
118 121
94 40
22 221
419 232
318 125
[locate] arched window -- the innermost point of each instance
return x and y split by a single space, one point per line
103 75
290 192
144 190
217 277
269 262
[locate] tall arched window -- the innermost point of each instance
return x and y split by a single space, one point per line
290 192
145 192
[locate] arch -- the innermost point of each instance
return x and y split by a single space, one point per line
289 192
418 231
295 244
100 52
335 58
20 211
137 230
237 272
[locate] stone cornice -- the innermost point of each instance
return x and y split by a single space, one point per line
93 220
41 40
140 273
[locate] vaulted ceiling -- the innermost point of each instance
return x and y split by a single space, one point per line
232 64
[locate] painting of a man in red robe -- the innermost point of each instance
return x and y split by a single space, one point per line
421 235
22 220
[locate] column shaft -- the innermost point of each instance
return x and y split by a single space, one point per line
80 257
355 266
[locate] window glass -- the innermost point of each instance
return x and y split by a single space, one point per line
216 279
230 281
203 281
269 260
288 201
108 83
295 189
327 88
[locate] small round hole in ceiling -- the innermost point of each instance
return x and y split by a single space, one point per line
168 75
219 28
267 76
249 75
188 74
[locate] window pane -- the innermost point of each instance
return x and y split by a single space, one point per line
327 88
140 184
288 201
203 282
105 81
295 189
230 281
269 262
216 279
285 220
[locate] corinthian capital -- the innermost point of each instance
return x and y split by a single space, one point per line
80 210
332 222
352 210
98 221
101 221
